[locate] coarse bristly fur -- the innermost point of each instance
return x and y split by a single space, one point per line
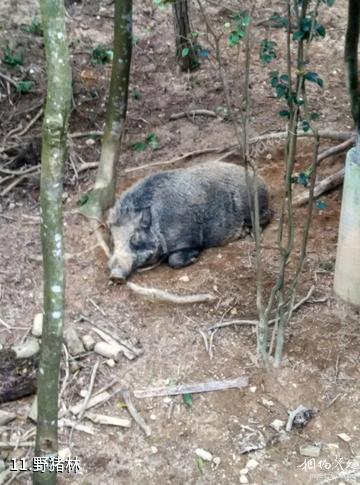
176 213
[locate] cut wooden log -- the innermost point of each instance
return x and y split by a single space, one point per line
328 183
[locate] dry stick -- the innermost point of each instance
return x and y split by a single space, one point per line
133 412
89 392
12 185
8 79
328 183
192 112
210 386
257 139
228 323
160 295
7 171
85 134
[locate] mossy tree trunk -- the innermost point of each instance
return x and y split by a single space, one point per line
184 39
103 194
55 126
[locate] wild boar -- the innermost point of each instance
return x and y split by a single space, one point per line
172 215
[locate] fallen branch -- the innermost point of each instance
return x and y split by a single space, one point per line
89 392
7 171
134 413
202 151
342 147
8 79
228 323
192 113
325 185
210 386
12 185
155 294
84 134
108 420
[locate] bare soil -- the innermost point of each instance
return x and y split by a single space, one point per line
321 362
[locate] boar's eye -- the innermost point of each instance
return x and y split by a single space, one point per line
137 240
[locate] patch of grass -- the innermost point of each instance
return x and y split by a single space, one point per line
24 87
11 58
101 55
34 28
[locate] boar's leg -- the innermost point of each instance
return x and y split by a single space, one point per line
178 259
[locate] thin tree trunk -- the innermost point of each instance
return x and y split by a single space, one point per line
185 52
103 194
53 155
351 58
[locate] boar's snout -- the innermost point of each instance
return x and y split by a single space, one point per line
120 267
118 275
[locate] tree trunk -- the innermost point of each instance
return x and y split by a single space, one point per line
185 51
103 194
53 155
351 59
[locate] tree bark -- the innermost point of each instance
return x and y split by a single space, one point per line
185 52
103 194
53 155
351 59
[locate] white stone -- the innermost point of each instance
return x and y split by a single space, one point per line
344 437
184 278
277 424
37 325
244 471
244 479
252 464
203 454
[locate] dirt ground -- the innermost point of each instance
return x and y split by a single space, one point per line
321 362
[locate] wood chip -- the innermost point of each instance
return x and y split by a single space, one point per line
108 420
97 399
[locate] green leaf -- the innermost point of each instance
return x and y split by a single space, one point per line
298 35
267 51
153 141
320 204
187 398
24 87
284 113
314 78
314 116
305 126
201 464
83 199
139 146
135 95
35 27
185 52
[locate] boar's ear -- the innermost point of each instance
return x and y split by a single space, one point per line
145 220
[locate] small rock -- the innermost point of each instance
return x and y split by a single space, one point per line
277 425
152 417
344 437
73 342
74 366
27 349
252 389
167 400
310 450
154 450
33 413
111 363
267 402
233 311
203 454
268 156
252 464
64 453
244 471
244 479
88 341
37 325
184 278
6 417
216 461
89 142
107 350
